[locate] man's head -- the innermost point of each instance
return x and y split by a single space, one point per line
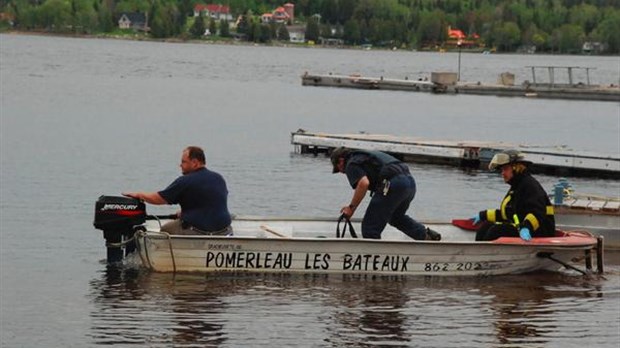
337 157
192 159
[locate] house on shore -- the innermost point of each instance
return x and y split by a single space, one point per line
456 38
283 14
134 20
214 11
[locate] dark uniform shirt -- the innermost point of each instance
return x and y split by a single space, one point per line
203 197
374 165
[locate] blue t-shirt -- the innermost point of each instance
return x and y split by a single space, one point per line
203 198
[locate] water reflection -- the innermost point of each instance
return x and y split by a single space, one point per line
134 307
137 307
524 311
366 310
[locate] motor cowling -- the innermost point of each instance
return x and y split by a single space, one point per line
117 218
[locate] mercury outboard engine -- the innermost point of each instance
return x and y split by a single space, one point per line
117 218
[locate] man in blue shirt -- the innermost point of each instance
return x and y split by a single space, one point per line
201 193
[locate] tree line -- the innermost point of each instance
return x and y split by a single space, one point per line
557 26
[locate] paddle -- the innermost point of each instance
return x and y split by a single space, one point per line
267 229
466 224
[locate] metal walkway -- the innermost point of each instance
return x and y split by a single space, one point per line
556 161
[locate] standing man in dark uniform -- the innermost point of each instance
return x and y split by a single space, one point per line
202 194
525 211
392 189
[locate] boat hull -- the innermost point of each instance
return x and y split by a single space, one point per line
309 249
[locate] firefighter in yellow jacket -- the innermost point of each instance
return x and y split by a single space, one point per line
525 211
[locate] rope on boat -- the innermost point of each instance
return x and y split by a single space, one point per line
159 217
580 233
174 263
347 223
121 244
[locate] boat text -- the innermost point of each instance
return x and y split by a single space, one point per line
242 259
119 207
311 261
370 262
452 267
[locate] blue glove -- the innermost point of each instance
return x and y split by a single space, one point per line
476 219
524 233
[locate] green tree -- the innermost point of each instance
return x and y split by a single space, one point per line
224 28
568 38
519 13
351 33
586 16
325 30
547 19
130 6
507 36
536 37
312 29
186 7
104 16
212 27
54 15
162 23
197 30
607 31
345 10
264 33
432 29
244 24
283 34
84 18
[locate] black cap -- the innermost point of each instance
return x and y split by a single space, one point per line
336 155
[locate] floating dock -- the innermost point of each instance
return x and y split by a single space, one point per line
552 90
473 154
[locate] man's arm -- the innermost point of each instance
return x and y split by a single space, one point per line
148 197
358 196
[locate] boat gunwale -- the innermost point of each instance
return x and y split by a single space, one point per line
580 241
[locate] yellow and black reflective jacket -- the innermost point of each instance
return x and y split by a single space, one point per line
525 205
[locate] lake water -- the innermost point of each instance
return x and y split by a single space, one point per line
84 117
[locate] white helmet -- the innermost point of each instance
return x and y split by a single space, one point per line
506 157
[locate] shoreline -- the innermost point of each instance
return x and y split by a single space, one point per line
234 42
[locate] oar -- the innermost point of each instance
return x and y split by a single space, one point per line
267 229
466 224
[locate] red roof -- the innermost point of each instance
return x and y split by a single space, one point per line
455 34
212 8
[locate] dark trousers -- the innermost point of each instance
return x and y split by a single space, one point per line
491 231
392 208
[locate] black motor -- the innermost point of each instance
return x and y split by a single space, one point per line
117 218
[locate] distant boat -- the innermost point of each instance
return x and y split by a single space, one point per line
599 215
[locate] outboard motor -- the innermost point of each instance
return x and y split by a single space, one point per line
117 218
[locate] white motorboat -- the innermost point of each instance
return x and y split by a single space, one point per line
312 245
599 215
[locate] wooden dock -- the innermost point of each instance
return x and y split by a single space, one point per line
474 154
576 91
